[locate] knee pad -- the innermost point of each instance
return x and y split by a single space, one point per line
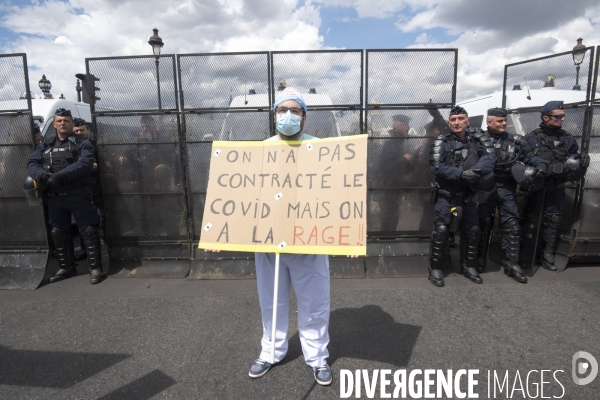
59 236
441 231
474 233
513 226
554 221
89 232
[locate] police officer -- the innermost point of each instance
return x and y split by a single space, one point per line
63 163
458 159
560 158
93 192
509 149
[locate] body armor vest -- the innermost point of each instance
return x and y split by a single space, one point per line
460 153
551 149
61 155
507 153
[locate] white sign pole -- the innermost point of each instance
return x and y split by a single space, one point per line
274 320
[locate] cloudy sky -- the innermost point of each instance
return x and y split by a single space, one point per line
58 35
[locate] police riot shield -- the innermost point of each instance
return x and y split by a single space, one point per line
528 86
408 96
587 242
142 174
23 237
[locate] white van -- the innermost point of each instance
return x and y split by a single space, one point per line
255 125
43 112
518 98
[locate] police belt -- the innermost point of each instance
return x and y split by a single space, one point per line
506 184
450 194
66 193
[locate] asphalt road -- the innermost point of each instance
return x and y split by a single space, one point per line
135 338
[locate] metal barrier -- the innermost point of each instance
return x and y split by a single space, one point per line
529 85
140 154
408 96
23 233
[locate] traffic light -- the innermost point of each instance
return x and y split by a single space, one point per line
89 87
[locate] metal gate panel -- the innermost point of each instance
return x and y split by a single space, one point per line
132 83
411 77
334 74
23 238
555 72
537 81
212 80
408 93
141 158
224 96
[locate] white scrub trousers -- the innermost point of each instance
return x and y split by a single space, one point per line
309 275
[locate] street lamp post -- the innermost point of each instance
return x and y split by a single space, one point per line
156 42
578 56
45 85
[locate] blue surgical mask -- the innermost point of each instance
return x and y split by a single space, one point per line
288 124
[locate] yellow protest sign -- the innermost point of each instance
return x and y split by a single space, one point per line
302 197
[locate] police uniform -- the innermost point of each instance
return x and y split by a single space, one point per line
555 148
65 167
509 149
453 160
93 194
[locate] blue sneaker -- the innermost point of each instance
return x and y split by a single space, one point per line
259 368
323 375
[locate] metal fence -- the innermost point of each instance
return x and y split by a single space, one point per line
532 83
23 234
228 96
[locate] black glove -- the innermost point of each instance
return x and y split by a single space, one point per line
584 160
541 171
45 176
470 176
55 180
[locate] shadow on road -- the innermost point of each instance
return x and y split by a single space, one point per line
366 333
52 369
145 387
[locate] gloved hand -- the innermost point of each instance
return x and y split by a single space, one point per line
470 176
55 180
45 176
541 171
584 160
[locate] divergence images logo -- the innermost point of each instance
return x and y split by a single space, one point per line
584 363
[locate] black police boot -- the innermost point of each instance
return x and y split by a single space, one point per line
484 244
468 254
551 242
91 236
511 233
437 249
61 241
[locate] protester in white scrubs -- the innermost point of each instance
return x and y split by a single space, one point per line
307 273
